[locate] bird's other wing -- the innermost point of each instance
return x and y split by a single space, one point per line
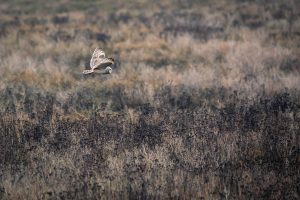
105 63
97 58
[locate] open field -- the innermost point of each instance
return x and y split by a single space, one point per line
203 101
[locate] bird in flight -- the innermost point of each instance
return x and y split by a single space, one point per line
99 61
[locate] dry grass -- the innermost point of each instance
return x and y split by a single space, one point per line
203 102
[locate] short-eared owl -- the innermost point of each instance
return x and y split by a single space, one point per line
99 61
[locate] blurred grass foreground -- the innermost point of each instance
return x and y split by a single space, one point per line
203 101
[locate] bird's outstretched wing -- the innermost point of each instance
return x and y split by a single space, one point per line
105 63
97 58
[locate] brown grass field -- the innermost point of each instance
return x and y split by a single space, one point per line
203 101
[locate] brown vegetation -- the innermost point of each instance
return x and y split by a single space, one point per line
203 102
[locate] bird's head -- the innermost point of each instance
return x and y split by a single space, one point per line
108 70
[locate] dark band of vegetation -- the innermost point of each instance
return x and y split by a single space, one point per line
203 101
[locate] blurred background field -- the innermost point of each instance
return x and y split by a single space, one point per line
203 101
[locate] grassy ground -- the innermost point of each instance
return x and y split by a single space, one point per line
203 102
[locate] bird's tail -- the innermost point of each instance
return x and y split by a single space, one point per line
88 71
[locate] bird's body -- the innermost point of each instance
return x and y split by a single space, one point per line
99 61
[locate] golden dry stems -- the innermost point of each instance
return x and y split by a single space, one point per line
202 102
231 64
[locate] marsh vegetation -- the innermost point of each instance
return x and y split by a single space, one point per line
203 102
